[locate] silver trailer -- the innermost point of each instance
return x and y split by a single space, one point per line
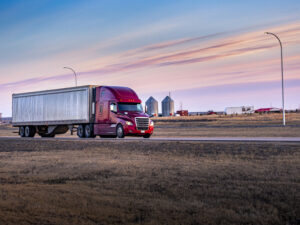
52 108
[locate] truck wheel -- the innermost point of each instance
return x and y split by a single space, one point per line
22 131
147 136
120 131
80 131
89 131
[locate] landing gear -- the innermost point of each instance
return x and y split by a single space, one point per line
120 131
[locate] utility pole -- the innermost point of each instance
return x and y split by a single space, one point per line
282 81
74 74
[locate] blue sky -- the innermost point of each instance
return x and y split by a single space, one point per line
187 47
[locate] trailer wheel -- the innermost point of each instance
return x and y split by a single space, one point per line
120 131
29 131
89 131
80 131
22 131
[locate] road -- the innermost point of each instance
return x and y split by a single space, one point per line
200 139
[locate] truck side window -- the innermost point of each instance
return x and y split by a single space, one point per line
101 109
113 107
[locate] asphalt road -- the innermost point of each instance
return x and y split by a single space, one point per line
221 139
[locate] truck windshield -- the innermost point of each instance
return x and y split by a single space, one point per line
130 107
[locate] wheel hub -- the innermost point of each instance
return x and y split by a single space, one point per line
120 132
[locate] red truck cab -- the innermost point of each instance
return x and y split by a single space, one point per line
119 113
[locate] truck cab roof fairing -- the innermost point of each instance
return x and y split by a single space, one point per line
124 94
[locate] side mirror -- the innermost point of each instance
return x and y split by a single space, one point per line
113 107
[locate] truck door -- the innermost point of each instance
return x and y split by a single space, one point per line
102 113
106 113
103 117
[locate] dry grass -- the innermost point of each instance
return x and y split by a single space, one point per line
113 182
254 125
7 130
272 118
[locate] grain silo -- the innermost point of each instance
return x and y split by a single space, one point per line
167 106
152 107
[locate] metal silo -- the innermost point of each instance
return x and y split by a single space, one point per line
167 106
152 107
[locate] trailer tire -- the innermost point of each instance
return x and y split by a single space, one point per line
89 131
80 131
22 131
29 131
120 131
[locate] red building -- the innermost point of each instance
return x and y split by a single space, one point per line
267 110
211 112
183 112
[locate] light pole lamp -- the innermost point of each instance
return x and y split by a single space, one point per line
74 74
282 81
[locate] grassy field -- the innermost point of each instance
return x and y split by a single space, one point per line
116 182
254 125
173 182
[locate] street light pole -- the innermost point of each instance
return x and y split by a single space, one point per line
74 74
282 81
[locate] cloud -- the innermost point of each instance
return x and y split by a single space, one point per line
208 50
36 80
180 42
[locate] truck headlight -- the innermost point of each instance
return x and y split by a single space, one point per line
151 123
128 123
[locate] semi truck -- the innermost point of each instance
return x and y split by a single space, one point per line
105 111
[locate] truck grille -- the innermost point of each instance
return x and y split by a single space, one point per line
142 123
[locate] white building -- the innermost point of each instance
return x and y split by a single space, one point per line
239 110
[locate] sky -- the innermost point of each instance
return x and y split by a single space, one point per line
208 54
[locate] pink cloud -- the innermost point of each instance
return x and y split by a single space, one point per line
209 51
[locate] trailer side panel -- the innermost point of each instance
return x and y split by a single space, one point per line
63 106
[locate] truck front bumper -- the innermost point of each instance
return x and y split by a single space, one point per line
132 131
